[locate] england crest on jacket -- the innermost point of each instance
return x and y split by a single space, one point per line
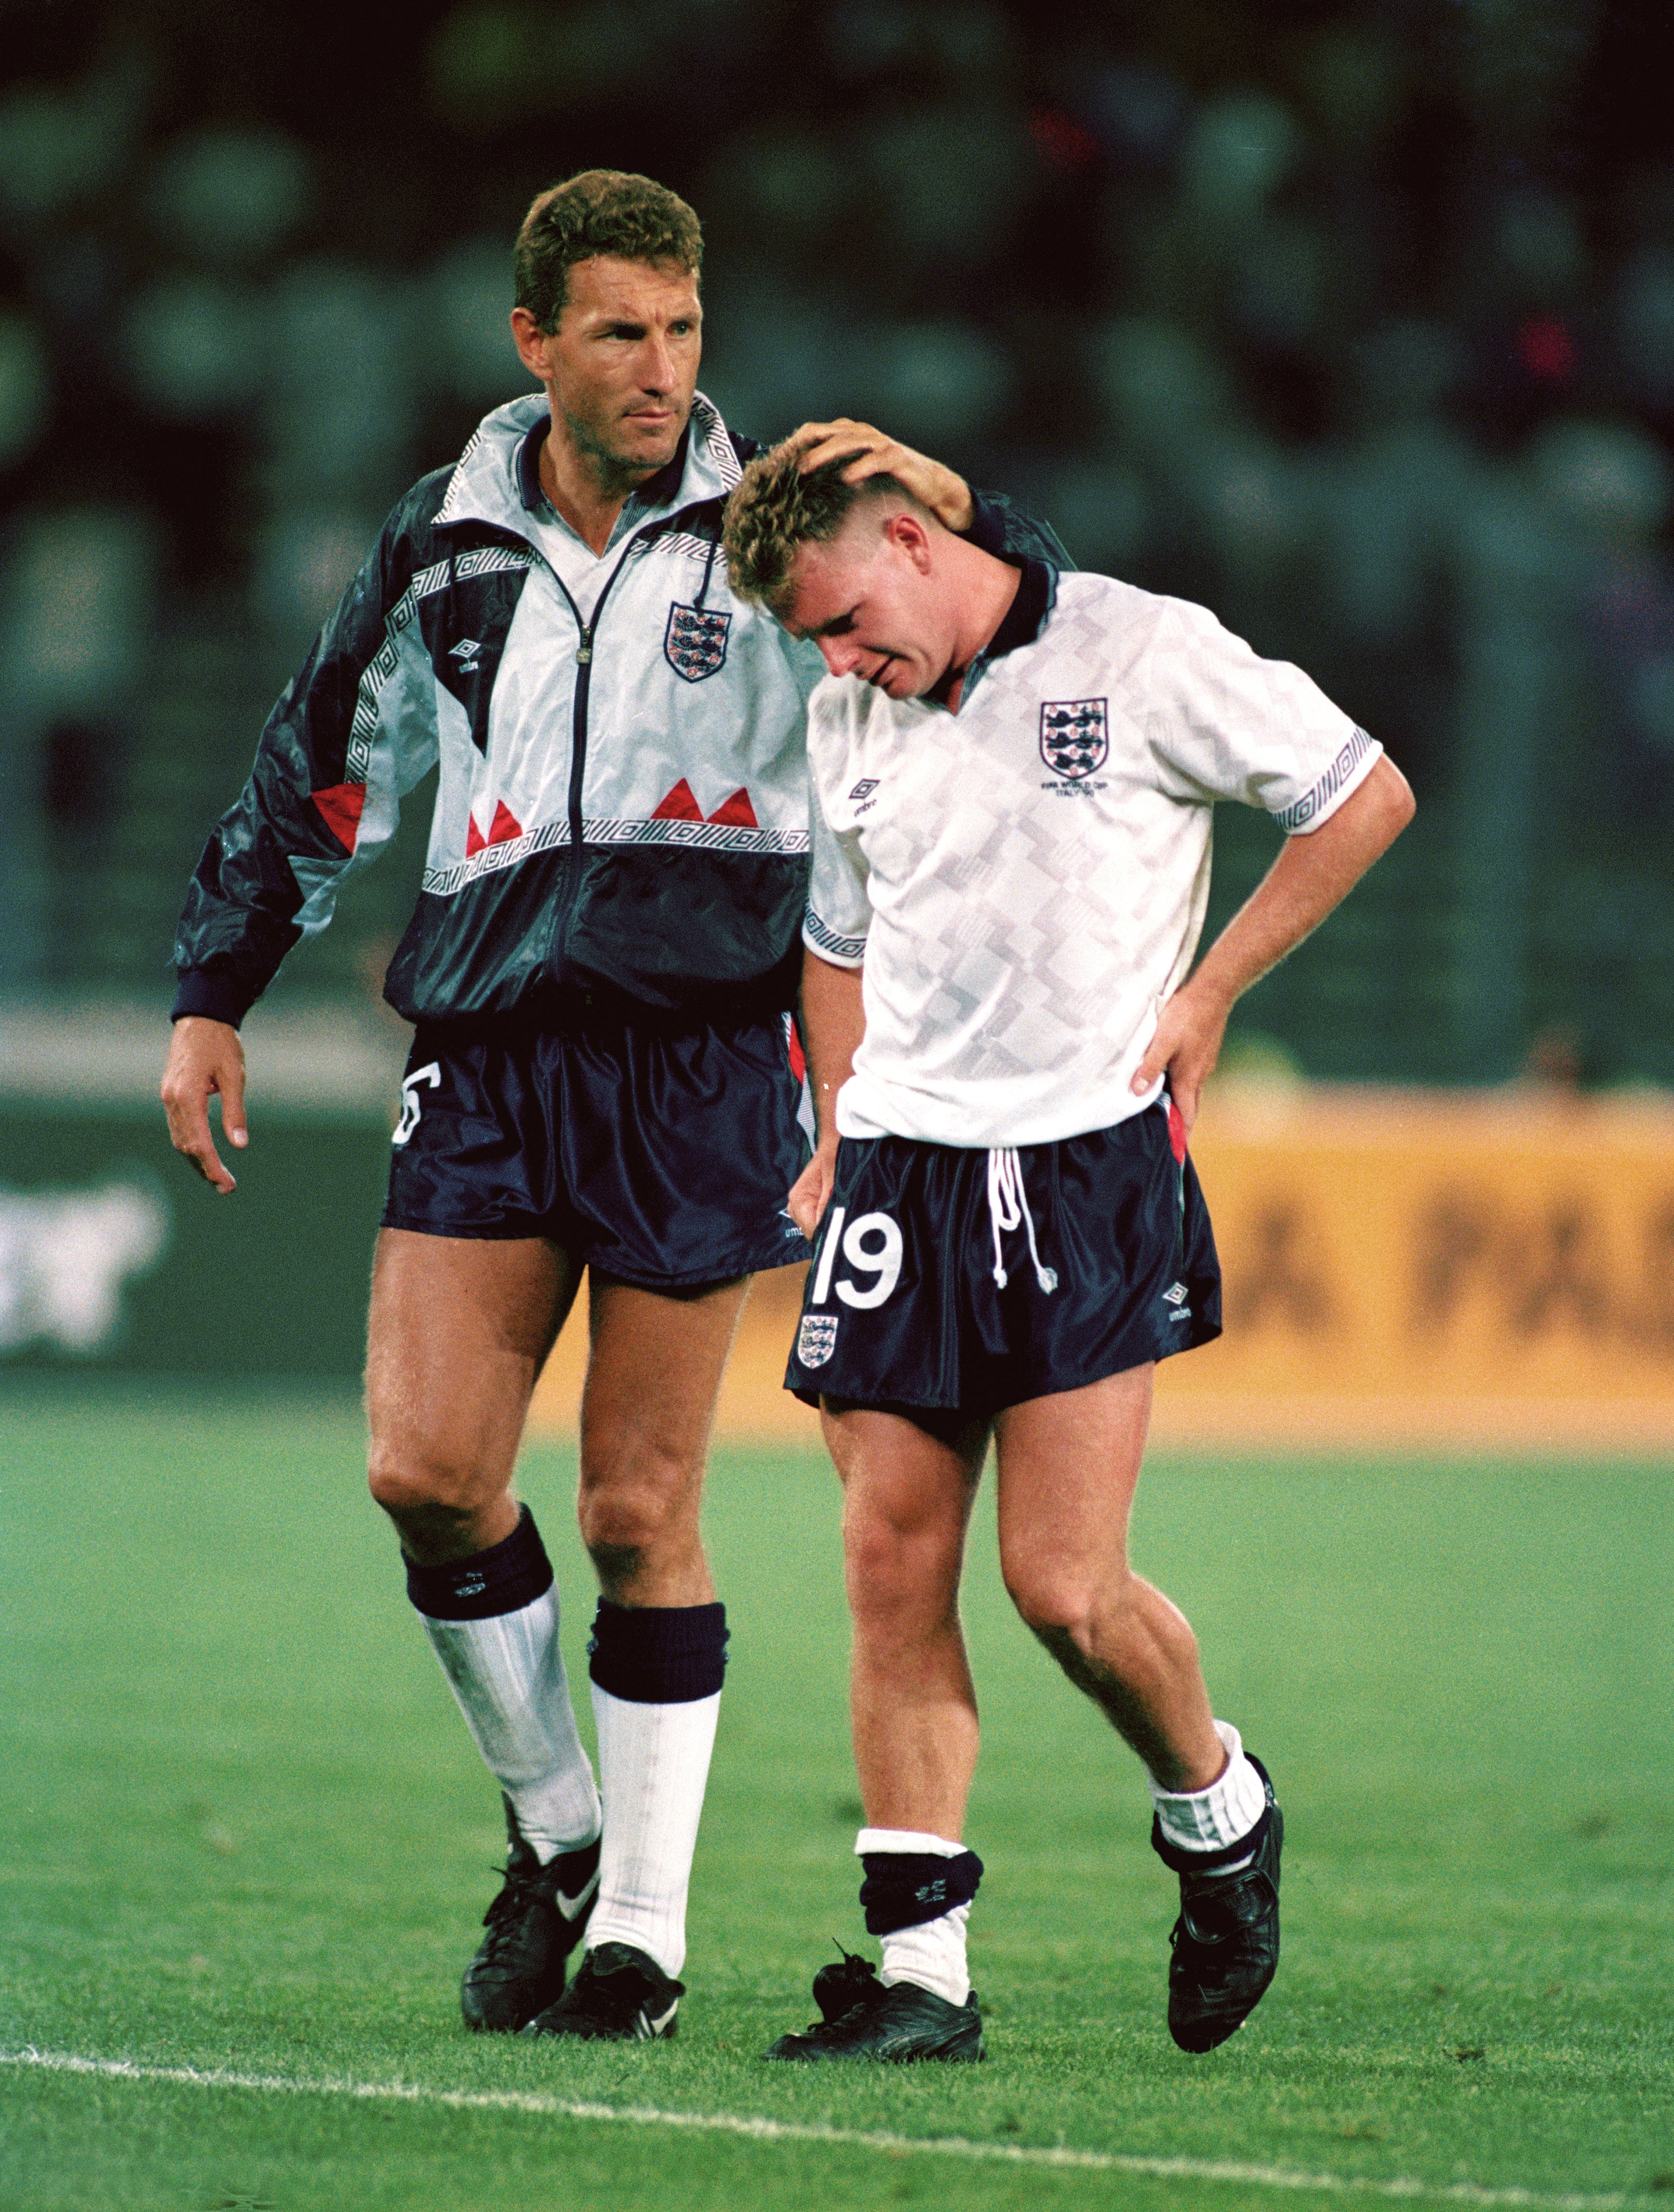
1074 739
694 642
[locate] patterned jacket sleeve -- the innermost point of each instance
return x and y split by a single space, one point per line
352 734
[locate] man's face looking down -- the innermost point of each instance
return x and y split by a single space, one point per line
621 365
874 601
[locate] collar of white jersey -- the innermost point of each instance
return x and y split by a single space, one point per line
1024 620
485 485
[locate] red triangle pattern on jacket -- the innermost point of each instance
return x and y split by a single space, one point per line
677 805
680 805
342 804
737 811
505 825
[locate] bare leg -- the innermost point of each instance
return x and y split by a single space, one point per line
654 1374
1068 1466
907 1501
459 1330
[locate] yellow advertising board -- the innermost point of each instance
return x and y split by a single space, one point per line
1401 1268
1438 1266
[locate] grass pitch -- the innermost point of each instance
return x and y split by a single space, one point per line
244 1834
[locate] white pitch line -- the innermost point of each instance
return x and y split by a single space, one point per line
796 2132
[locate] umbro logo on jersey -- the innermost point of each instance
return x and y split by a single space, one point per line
1074 740
865 787
466 653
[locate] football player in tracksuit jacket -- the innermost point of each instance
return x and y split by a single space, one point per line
605 1073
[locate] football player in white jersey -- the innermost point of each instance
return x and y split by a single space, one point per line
1013 776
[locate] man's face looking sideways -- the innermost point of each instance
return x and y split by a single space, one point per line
622 364
870 599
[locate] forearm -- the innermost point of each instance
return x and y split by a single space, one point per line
833 1023
1312 874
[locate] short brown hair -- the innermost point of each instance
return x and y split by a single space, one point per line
599 211
775 509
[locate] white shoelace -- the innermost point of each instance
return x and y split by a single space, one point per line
1008 1209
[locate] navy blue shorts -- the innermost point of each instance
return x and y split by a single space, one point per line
661 1158
972 1280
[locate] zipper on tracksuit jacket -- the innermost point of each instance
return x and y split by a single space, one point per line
578 745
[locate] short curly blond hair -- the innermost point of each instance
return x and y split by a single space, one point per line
599 211
775 509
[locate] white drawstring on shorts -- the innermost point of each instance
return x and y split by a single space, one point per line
1008 1208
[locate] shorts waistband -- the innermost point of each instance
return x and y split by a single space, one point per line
580 1010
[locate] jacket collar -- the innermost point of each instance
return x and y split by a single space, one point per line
487 485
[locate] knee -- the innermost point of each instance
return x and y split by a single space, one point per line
630 1507
1079 1616
1055 1600
896 1569
1064 1599
410 1483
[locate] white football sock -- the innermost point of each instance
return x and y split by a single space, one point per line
1209 1819
508 1674
932 1954
654 1763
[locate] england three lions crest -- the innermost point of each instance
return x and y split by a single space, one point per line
816 1340
695 642
1074 739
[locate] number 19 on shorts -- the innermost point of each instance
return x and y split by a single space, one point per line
871 1245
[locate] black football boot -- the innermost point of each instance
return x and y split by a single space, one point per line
861 2019
618 1995
1226 1941
535 1922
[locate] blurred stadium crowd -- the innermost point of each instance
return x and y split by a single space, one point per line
1354 322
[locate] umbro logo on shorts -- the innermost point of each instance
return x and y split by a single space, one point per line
816 1340
466 653
1074 740
865 787
1176 1294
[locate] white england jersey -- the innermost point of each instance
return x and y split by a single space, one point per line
1026 880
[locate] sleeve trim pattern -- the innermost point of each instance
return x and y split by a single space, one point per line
484 561
845 951
1314 803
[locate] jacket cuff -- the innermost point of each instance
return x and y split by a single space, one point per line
988 526
200 991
